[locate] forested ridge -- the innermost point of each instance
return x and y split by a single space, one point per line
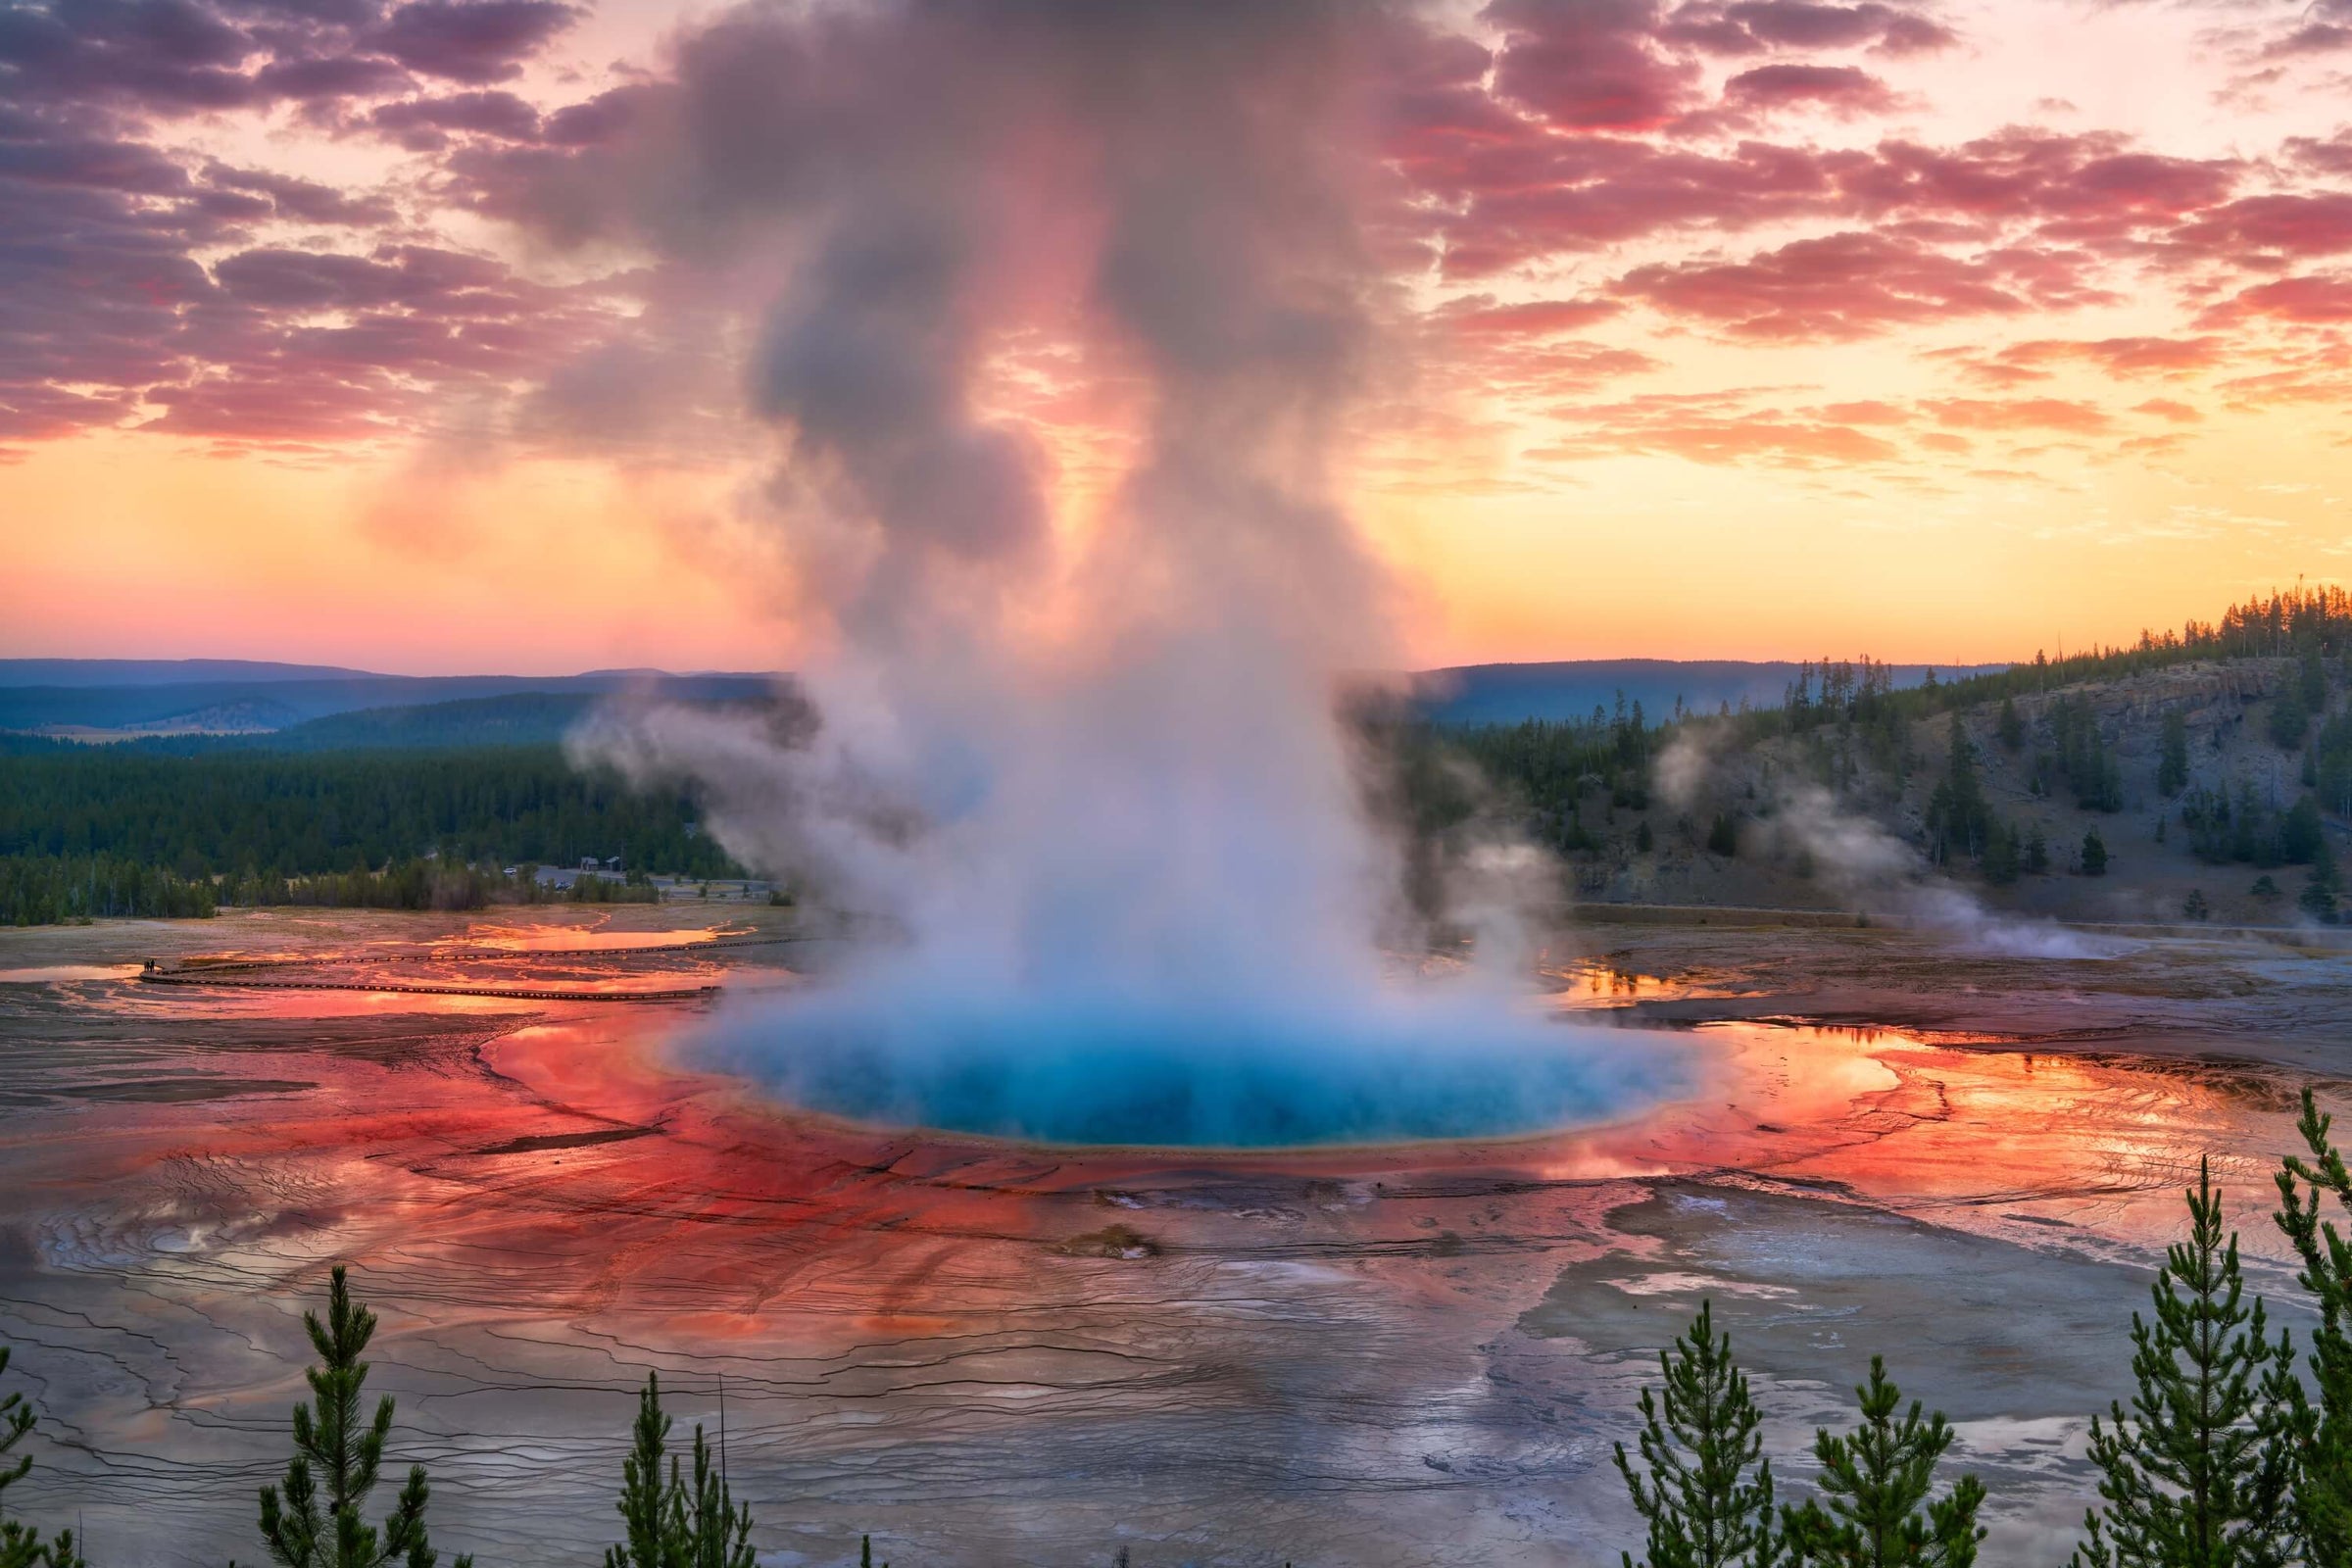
2003 776
174 826
98 831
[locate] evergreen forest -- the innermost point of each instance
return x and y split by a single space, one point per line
97 831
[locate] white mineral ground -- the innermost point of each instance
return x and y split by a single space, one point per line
984 1354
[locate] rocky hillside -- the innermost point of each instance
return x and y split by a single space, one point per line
1874 817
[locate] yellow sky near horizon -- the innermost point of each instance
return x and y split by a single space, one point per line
555 566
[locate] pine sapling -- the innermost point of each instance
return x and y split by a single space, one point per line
307 1527
1708 1495
642 1496
683 1524
713 1532
2322 1480
1878 1481
22 1545
2199 1471
18 1544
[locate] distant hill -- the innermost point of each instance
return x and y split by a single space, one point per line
103 699
525 718
1506 694
85 672
89 705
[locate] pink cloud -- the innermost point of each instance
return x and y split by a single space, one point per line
2021 413
2086 183
1866 412
147 268
2311 39
1775 440
1842 90
1480 317
1589 66
2123 357
1840 287
2323 156
1750 26
2310 300
2293 224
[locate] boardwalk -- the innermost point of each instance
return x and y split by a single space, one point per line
157 976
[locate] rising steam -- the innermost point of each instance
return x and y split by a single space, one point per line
1083 757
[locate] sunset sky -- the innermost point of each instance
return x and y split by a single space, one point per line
1713 328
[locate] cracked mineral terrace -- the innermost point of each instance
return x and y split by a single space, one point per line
984 1352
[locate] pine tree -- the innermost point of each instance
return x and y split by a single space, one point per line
711 1530
2289 718
2003 855
1878 1481
2200 1470
2317 898
641 1503
22 1545
301 1527
2010 729
2323 1483
2095 854
19 1545
1707 1497
1957 815
684 1524
2172 767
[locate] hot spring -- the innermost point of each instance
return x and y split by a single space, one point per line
1405 1066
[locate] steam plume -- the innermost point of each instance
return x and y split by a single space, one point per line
1089 764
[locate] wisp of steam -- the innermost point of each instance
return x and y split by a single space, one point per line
1875 872
1075 740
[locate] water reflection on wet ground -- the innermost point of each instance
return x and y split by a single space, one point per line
1411 1355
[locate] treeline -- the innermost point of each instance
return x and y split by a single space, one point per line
2308 624
307 815
52 888
57 890
1560 769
